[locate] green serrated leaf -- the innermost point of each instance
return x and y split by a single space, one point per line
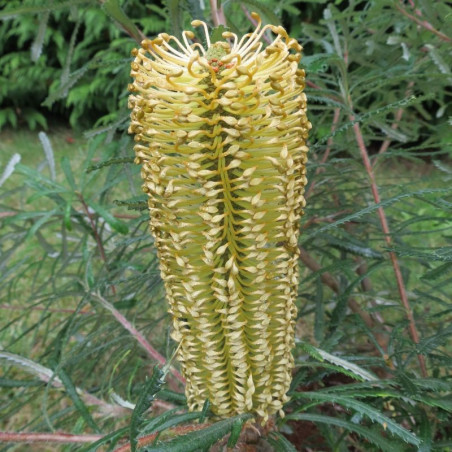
200 439
376 438
43 220
318 63
425 432
204 411
263 10
372 208
78 402
175 16
280 443
168 420
116 224
172 396
216 33
113 9
112 438
323 355
144 402
14 12
66 165
113 161
235 433
364 409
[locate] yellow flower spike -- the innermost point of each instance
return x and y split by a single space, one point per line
221 136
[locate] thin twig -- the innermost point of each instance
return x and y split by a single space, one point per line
8 213
152 352
8 437
46 375
97 238
41 308
218 16
385 227
423 23
327 219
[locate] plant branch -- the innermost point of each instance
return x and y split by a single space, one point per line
218 16
152 352
385 227
8 437
47 376
423 23
42 308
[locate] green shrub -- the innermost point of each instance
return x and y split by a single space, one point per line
83 311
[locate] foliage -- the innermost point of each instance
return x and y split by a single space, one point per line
83 312
71 58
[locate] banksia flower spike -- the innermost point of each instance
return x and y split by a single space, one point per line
221 136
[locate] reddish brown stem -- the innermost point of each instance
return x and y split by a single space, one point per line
328 219
9 213
423 23
8 437
152 352
41 308
385 227
218 16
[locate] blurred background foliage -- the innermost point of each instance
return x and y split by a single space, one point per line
82 311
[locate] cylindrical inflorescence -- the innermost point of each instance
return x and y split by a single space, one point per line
221 136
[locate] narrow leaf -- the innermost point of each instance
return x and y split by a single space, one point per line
13 161
364 409
66 165
111 437
235 433
36 47
11 13
113 161
72 392
323 355
200 439
116 224
374 437
48 151
114 10
280 443
167 420
147 396
175 16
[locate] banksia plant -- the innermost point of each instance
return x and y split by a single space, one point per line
221 136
